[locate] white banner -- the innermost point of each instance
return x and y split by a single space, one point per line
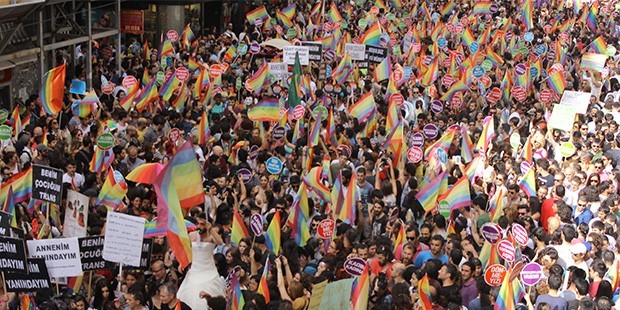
123 238
76 215
279 70
579 100
357 51
289 54
62 256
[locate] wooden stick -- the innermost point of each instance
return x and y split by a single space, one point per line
57 289
3 283
120 275
90 281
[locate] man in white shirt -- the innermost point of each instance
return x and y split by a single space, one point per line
73 178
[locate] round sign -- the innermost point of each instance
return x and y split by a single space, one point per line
491 232
160 77
417 139
108 88
430 131
256 224
254 48
567 149
478 71
444 208
473 47
487 65
5 133
215 70
494 275
528 37
436 106
326 228
442 155
182 73
320 109
495 93
4 115
447 80
415 154
129 81
291 33
520 69
258 22
515 140
354 266
274 165
242 49
374 10
105 141
172 35
531 274
298 112
525 166
329 55
398 99
520 234
174 135
246 175
253 152
545 96
611 50
506 250
494 8
456 102
442 42
518 93
278 133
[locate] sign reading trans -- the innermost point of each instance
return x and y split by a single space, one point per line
47 184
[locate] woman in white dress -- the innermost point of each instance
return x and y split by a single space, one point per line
202 275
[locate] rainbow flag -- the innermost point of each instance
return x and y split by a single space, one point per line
193 65
272 237
599 45
424 289
113 190
258 13
427 196
146 173
21 184
488 255
448 8
458 196
467 147
53 89
331 129
167 89
313 138
506 297
82 109
360 290
27 303
526 14
527 151
202 83
181 98
372 36
468 37
9 207
151 230
528 183
400 238
363 108
613 275
258 79
397 3
337 195
145 77
101 160
286 22
593 61
187 36
263 288
333 15
149 94
458 86
343 70
238 302
496 204
298 219
347 213
444 142
481 8
591 18
488 133
290 11
557 82
166 48
130 96
383 70
204 131
493 57
267 110
147 50
230 53
239 230
432 73
16 122
314 181
379 4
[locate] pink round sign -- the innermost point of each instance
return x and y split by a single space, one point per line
506 250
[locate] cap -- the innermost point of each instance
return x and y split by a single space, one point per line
578 248
42 148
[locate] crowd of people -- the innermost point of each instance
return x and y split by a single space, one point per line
382 194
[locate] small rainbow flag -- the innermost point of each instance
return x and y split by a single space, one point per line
290 11
343 70
448 8
313 138
16 122
488 255
238 302
166 48
230 53
364 107
488 133
258 79
101 160
360 290
147 50
297 220
204 130
187 36
593 61
167 89
528 183
334 15
202 83
381 5
314 181
267 110
347 213
481 8
599 45
372 36
444 142
272 236
613 275
53 89
591 18
467 147
526 14
383 70
456 87
113 190
181 98
506 295
428 195
193 65
21 184
400 238
496 204
146 173
239 230
458 196
149 94
337 194
432 73
258 13
263 287
557 82
286 22
9 207
130 96
85 107
424 289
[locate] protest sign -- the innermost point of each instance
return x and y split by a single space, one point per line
47 184
337 295
37 279
62 255
91 254
123 238
375 54
579 100
279 70
76 215
356 51
12 255
315 50
288 55
562 117
5 223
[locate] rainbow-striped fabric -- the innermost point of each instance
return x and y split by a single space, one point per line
113 190
52 89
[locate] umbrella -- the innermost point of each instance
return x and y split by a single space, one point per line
277 43
151 231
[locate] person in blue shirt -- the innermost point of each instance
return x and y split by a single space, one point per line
582 213
436 252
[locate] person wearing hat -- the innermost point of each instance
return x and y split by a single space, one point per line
41 155
578 252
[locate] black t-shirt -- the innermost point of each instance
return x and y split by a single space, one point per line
378 226
183 306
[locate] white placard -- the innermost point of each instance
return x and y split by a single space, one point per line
279 70
62 255
562 117
579 100
76 215
289 54
123 238
357 51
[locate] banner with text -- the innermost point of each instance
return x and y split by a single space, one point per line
61 255
37 279
123 238
12 255
47 184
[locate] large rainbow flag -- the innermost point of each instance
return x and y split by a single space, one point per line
267 110
364 107
53 89
273 235
21 184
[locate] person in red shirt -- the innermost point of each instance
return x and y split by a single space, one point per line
549 207
382 263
